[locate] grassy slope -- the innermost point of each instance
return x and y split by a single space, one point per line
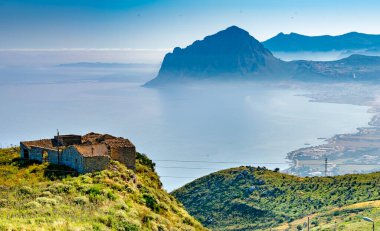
32 198
348 218
247 198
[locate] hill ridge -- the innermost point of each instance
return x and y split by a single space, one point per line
246 198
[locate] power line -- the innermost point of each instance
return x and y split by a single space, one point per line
218 162
186 177
180 167
323 163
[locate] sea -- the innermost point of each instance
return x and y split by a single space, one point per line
188 130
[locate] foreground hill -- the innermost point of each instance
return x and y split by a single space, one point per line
294 42
248 198
234 55
36 196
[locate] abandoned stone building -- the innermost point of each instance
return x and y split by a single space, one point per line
88 153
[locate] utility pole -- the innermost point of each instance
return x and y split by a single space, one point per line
308 223
326 166
58 145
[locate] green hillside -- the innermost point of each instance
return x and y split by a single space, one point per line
247 198
347 218
36 196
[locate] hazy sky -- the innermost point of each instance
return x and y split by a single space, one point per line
155 24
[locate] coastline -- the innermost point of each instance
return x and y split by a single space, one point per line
357 152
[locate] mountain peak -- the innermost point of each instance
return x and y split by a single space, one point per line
235 29
229 53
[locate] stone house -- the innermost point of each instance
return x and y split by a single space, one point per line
88 153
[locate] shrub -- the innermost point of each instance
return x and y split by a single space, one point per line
110 195
315 222
81 200
144 160
61 188
151 202
26 190
121 205
32 205
46 194
46 201
3 202
187 221
94 190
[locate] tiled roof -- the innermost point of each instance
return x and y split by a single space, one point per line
92 150
93 144
44 143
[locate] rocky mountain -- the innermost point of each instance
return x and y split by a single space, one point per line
294 42
233 54
228 54
248 198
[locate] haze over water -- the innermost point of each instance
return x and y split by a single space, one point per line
237 123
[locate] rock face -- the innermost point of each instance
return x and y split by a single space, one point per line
294 42
228 54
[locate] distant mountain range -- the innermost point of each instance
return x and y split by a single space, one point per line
294 42
233 54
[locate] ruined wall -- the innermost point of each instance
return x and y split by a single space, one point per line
125 155
36 153
95 163
66 140
22 150
71 158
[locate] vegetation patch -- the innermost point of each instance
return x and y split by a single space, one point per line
248 198
113 199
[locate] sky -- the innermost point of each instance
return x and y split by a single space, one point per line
164 24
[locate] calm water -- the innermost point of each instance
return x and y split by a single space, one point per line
209 123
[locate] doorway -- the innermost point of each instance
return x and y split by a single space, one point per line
26 154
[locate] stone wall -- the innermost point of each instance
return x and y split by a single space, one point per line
71 158
125 155
95 163
36 153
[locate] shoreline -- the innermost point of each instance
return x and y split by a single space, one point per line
356 152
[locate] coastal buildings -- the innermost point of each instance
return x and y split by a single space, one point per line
88 153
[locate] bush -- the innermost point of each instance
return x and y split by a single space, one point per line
46 194
3 202
151 202
187 221
315 222
61 188
32 205
110 195
26 190
81 200
46 201
144 160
